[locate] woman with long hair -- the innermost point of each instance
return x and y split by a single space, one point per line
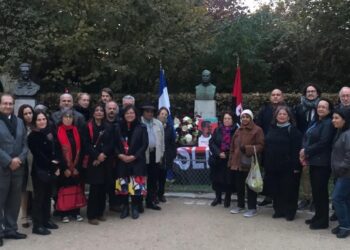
25 112
131 144
340 162
99 146
281 154
170 150
41 143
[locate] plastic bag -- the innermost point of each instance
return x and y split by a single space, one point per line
254 179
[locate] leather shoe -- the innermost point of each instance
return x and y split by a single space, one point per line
215 202
50 225
153 206
316 226
134 212
125 212
15 236
343 233
336 230
1 242
162 199
41 231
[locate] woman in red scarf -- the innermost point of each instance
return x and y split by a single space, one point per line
69 141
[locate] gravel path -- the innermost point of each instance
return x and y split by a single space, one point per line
185 223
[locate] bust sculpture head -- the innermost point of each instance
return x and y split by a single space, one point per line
24 70
206 75
25 87
205 90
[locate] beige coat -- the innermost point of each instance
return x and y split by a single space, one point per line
159 133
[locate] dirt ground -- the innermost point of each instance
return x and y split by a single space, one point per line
185 223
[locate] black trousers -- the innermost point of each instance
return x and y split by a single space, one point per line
41 202
285 192
153 171
161 182
240 177
319 178
97 201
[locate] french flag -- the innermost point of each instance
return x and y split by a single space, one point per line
163 100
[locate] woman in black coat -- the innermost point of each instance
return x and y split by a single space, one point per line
282 146
316 154
98 147
45 168
131 144
170 151
220 174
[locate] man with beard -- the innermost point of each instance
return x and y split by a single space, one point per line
112 118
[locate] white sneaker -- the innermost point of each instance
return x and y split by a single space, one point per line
250 213
65 219
237 210
79 218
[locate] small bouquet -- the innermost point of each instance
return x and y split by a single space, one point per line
186 131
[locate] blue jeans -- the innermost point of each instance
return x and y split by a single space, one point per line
341 202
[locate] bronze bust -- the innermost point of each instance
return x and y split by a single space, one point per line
205 90
25 87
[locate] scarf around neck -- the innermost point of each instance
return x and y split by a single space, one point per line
309 104
226 133
67 147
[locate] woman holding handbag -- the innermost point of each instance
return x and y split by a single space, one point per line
41 143
247 138
131 144
70 152
281 154
219 145
99 146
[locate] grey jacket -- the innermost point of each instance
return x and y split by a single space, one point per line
340 160
11 147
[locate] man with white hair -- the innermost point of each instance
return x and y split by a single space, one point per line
66 101
344 97
126 101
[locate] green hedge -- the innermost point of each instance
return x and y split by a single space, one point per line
183 103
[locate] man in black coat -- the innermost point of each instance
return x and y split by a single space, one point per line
305 115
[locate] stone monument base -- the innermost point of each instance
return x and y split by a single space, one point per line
205 108
19 101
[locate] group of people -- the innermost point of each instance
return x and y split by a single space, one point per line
50 157
311 139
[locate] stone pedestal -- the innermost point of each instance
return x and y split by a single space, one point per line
205 108
20 101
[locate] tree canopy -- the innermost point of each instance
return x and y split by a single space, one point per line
89 44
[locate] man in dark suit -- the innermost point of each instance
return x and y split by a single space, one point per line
13 152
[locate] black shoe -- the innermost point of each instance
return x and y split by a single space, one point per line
303 204
125 212
26 225
310 221
41 231
333 217
336 230
134 212
50 225
317 226
162 199
343 233
1 242
265 202
227 201
215 202
15 236
153 206
278 215
290 217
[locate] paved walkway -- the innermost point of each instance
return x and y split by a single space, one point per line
185 223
